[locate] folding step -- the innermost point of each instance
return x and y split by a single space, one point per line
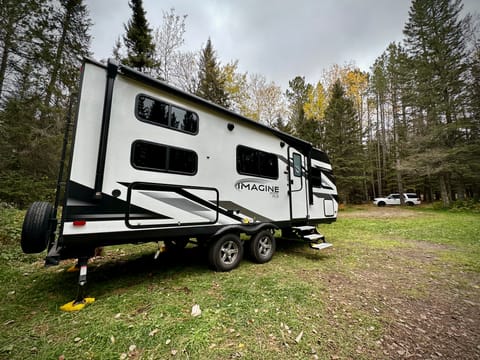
304 228
320 246
314 237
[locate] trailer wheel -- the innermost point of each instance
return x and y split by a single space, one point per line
262 246
225 253
36 230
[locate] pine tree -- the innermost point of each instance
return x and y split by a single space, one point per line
69 42
138 39
17 21
297 96
342 143
46 74
435 39
211 83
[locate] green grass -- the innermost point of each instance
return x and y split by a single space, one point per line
143 306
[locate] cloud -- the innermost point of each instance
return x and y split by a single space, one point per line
279 39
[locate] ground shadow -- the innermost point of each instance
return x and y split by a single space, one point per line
114 273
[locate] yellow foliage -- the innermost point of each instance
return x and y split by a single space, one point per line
317 102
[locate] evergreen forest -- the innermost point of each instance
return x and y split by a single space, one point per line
409 124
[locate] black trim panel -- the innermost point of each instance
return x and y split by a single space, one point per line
112 69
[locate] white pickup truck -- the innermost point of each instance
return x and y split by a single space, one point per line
394 199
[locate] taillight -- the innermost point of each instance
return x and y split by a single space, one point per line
79 222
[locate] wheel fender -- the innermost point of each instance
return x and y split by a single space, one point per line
247 229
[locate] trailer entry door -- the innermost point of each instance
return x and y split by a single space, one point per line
297 185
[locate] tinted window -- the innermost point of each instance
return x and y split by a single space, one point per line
297 165
149 156
183 120
182 161
156 157
152 110
256 163
164 114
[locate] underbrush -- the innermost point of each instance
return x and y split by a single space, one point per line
11 220
470 205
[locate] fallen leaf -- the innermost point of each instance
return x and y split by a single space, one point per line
153 332
168 341
196 310
112 339
123 356
173 352
77 339
117 316
132 348
299 337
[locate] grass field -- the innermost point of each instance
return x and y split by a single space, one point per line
398 283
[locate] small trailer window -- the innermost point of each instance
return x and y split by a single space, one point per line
297 165
156 157
161 113
256 163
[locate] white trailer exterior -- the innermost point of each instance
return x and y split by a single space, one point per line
150 162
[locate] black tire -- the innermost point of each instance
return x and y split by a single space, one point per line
381 204
37 227
262 246
225 253
176 244
409 203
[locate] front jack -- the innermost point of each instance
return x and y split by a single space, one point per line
80 301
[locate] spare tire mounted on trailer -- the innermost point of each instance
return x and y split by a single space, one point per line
37 227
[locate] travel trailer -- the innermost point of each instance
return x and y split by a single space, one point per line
150 162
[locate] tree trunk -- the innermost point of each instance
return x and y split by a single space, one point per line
444 191
69 7
6 52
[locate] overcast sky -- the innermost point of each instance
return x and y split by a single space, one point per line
279 39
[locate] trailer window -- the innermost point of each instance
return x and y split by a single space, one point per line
183 120
157 157
297 165
152 110
256 163
164 114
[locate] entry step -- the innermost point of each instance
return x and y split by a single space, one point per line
314 237
320 246
304 228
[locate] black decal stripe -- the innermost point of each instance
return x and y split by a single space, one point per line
235 207
107 205
209 204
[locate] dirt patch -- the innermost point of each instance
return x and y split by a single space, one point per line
380 212
428 309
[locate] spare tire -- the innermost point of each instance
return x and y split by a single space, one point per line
37 227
